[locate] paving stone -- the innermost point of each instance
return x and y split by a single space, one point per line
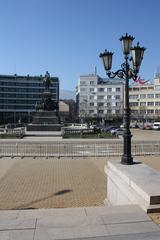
9 214
17 235
67 221
39 213
136 236
42 234
135 209
76 232
13 224
129 228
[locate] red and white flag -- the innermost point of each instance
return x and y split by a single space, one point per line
141 81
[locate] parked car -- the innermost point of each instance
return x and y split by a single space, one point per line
147 126
114 130
156 126
134 125
119 132
77 126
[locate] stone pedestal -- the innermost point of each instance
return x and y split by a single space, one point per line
45 117
133 184
45 121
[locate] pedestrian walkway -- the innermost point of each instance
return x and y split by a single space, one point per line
51 183
72 191
109 223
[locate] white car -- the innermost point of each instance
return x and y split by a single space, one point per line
156 126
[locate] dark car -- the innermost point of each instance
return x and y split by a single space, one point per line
119 132
109 128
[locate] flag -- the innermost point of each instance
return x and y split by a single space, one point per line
139 80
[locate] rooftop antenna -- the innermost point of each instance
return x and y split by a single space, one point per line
157 71
95 70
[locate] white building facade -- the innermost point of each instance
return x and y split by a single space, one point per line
145 100
103 99
99 98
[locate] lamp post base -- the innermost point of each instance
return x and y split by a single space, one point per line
127 160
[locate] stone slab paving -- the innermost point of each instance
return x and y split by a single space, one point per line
58 183
78 223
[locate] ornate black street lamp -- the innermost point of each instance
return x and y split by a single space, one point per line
127 71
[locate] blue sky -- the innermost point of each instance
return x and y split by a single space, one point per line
65 37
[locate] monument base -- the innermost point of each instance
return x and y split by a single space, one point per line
47 128
133 184
45 121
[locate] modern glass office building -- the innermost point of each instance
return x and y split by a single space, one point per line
20 94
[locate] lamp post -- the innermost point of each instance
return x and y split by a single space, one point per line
127 71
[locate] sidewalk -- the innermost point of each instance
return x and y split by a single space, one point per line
56 182
67 188
108 223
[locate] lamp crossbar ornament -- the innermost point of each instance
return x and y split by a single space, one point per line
129 70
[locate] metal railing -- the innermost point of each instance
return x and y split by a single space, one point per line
75 149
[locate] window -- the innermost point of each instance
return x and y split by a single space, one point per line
91 89
142 111
91 82
100 111
157 95
142 95
101 89
157 111
109 89
150 95
109 97
118 104
100 97
100 104
117 97
150 111
91 97
142 103
143 88
118 89
135 89
157 103
150 104
133 104
83 89
134 111
82 83
133 96
91 111
150 88
157 88
91 104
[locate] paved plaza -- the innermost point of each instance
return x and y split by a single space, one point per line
32 183
50 183
63 198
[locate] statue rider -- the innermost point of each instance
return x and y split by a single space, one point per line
47 81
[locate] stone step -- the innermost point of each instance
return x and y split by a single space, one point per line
154 208
108 223
133 184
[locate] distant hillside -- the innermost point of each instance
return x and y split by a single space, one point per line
67 94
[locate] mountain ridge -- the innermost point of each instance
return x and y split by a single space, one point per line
67 94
